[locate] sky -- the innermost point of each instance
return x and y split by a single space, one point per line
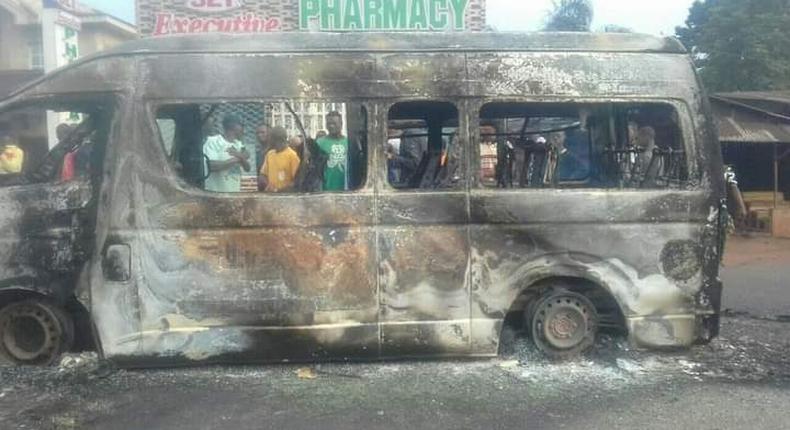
653 17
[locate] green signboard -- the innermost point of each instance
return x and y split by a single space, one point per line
382 15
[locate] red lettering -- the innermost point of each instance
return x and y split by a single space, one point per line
198 3
195 25
180 25
272 24
166 23
213 3
162 25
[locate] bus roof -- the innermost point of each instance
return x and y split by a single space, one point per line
372 42
402 42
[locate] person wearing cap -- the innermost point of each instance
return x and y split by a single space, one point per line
226 157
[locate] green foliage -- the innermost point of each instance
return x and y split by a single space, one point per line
740 45
570 15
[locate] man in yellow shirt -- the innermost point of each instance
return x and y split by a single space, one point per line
281 164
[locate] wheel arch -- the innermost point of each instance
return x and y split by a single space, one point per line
12 291
608 282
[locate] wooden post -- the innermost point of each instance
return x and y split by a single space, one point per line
776 175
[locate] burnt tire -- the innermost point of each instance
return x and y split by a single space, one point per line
563 324
35 332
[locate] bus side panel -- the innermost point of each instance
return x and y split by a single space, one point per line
424 259
222 278
643 247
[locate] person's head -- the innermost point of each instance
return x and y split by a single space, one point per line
320 134
62 131
295 142
394 133
233 127
488 133
334 123
262 134
646 138
278 138
557 139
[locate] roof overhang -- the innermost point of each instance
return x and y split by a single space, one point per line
742 119
111 23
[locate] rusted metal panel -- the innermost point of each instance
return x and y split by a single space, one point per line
40 232
575 74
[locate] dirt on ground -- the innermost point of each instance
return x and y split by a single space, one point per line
755 249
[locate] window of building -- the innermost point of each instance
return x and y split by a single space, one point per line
544 145
422 148
55 141
265 146
35 50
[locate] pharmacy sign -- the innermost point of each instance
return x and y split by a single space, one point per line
383 15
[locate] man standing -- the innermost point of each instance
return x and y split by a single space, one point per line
335 147
282 163
226 157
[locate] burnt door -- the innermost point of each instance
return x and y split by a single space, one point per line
423 234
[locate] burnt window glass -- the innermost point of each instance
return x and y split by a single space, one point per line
422 149
53 141
268 146
562 145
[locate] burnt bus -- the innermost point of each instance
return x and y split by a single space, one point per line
563 183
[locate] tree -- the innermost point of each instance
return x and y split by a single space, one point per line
570 15
739 45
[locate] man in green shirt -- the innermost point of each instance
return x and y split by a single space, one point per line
335 147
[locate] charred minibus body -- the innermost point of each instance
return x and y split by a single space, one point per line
563 182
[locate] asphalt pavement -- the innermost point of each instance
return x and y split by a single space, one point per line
740 380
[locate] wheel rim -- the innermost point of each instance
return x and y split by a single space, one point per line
564 322
30 334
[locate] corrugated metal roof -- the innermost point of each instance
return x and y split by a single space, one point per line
753 117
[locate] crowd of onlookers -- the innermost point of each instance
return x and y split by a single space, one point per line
279 158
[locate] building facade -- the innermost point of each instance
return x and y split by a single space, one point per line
23 48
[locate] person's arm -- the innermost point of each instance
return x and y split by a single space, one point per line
216 158
294 166
241 156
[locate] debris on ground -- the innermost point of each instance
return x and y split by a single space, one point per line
306 373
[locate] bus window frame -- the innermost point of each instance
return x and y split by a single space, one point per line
152 106
461 107
686 126
113 100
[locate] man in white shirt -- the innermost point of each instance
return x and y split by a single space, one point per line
226 157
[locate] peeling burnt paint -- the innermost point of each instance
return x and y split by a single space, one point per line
381 272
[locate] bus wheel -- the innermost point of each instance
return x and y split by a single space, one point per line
34 332
563 323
